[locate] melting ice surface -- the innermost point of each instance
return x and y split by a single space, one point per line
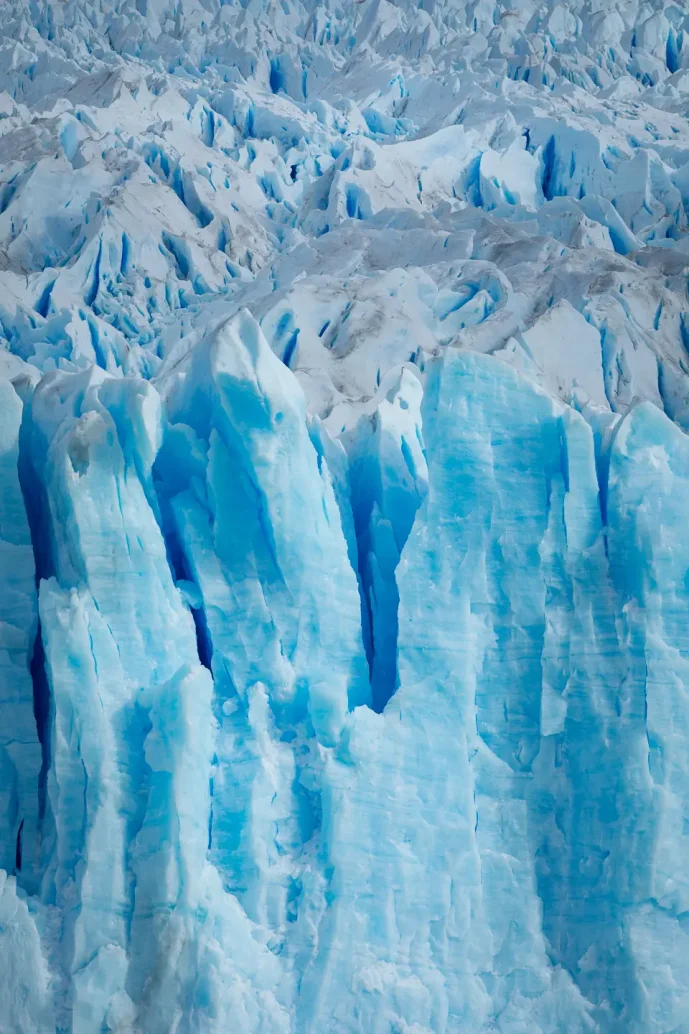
344 479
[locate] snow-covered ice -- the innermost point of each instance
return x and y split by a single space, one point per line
344 479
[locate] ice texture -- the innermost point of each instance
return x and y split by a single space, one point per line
344 473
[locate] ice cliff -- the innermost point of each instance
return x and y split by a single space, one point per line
344 480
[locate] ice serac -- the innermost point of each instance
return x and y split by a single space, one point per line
521 796
20 750
122 665
649 558
195 962
439 808
254 514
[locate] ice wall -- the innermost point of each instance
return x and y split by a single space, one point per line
232 836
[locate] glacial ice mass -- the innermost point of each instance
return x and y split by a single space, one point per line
344 481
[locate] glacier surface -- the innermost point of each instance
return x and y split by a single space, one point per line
344 479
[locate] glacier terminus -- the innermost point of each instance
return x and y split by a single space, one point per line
344 503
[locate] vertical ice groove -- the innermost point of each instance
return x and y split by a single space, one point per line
388 478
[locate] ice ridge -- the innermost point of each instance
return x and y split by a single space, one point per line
344 399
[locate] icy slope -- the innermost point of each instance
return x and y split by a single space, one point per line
344 390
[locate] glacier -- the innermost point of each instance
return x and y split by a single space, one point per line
344 474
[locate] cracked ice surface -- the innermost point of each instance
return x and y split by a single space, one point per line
344 471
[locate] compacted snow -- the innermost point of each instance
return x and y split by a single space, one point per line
344 481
